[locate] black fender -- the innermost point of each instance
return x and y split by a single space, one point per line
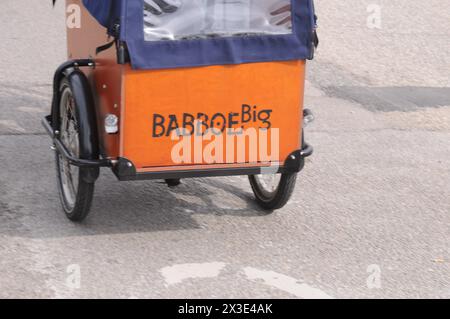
60 73
87 123
85 112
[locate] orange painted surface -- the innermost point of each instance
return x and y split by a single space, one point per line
275 86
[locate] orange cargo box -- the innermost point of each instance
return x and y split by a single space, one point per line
235 101
152 104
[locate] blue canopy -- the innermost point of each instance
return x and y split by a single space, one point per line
297 44
105 11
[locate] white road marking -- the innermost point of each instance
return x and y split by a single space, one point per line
177 273
285 283
13 125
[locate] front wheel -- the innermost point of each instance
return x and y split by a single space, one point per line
273 191
75 193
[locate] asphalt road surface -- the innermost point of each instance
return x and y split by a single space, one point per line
370 216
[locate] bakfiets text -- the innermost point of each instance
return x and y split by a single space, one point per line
226 309
218 122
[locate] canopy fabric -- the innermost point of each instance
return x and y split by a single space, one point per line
164 54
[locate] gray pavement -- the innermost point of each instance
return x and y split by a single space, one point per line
370 216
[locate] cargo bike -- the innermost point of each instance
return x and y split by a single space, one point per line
174 89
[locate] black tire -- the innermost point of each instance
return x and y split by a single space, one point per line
77 205
276 199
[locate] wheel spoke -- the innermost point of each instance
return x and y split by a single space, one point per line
71 185
69 137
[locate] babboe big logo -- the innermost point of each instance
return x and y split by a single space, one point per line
232 137
217 122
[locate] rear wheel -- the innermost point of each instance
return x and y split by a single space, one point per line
273 191
75 193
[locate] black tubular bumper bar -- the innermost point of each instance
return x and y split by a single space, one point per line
307 150
125 169
64 152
